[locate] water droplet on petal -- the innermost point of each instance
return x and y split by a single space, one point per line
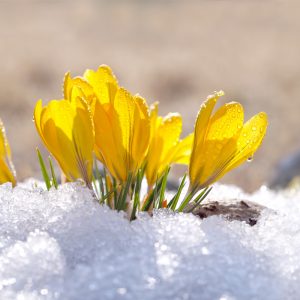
250 158
253 128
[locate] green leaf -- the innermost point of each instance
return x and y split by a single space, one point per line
173 203
137 191
121 203
152 196
163 187
99 178
54 181
115 192
199 198
186 200
43 169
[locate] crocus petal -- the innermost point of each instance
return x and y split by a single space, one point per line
104 83
201 127
223 131
132 121
182 151
7 171
141 134
249 140
6 174
86 89
67 131
165 133
222 142
106 140
122 133
203 119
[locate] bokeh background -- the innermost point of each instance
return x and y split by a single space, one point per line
174 52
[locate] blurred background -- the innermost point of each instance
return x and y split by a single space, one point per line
174 52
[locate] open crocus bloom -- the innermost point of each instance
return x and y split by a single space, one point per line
67 130
7 171
165 146
222 141
122 126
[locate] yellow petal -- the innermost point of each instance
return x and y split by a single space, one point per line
6 175
108 138
84 139
4 146
204 117
66 128
141 132
80 83
200 131
219 143
165 135
104 83
183 149
37 118
249 140
7 171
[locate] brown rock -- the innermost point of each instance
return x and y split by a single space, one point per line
243 210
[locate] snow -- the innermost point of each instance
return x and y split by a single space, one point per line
63 245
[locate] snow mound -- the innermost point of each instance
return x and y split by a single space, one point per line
63 245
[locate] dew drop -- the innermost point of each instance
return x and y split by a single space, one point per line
253 128
250 158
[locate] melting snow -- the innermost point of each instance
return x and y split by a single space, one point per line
63 245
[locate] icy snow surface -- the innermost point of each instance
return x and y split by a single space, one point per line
63 245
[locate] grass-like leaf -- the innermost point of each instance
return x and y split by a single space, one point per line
197 201
163 188
151 198
121 203
173 203
54 180
137 191
186 201
44 170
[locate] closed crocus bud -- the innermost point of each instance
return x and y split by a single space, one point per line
165 147
222 141
122 126
66 128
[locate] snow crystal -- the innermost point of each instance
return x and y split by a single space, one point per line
62 244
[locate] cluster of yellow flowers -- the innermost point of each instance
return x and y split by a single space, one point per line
97 117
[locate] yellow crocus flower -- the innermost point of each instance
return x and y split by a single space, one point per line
122 134
67 130
98 85
7 171
103 82
165 146
121 121
222 141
